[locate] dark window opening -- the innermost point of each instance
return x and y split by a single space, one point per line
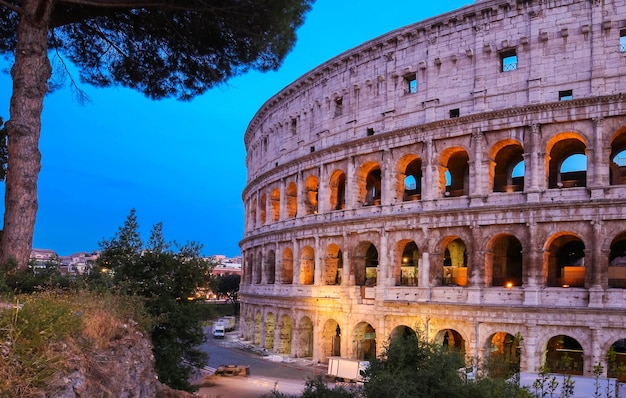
566 95
312 149
370 131
338 106
508 60
455 113
294 126
410 84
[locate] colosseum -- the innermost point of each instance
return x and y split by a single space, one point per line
464 177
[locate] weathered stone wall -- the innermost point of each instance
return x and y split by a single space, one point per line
509 241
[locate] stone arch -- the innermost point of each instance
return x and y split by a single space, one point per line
333 265
559 149
263 209
564 354
364 338
454 264
331 340
564 261
369 183
275 204
270 268
403 331
365 264
503 261
409 178
287 274
406 273
247 268
508 158
616 360
304 342
292 200
270 328
617 161
311 187
617 262
253 214
454 172
503 354
337 199
258 269
451 340
285 335
307 266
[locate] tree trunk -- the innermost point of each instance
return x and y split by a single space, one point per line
30 74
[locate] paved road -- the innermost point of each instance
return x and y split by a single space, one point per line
266 372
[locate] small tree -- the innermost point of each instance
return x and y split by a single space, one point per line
166 279
228 286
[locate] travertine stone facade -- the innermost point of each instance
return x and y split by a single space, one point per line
465 176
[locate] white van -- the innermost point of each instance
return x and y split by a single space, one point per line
218 330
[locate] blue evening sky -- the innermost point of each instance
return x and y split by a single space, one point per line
180 163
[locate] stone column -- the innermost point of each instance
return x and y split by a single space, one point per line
533 166
596 272
531 358
477 170
532 267
430 186
296 262
301 197
384 271
283 200
323 193
351 190
595 357
318 262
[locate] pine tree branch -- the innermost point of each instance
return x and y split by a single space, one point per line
10 6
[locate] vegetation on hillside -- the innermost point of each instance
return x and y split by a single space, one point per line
157 279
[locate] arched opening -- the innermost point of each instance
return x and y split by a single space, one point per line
508 174
566 262
404 332
258 269
455 264
248 269
270 324
564 355
275 199
373 186
617 262
285 335
365 264
262 209
410 174
311 186
333 265
364 338
331 340
616 360
305 338
451 341
617 165
253 214
338 190
409 262
454 172
287 274
503 355
271 267
292 200
506 261
567 163
257 329
307 266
